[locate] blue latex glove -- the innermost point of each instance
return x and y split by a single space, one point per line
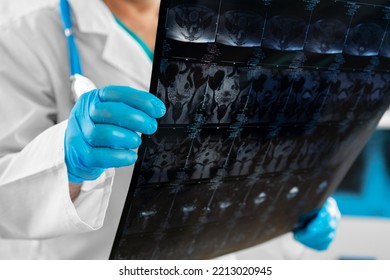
102 130
319 233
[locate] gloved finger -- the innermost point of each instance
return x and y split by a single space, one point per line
122 115
305 235
141 100
320 231
318 242
111 136
322 223
108 158
332 209
106 135
74 147
329 215
327 218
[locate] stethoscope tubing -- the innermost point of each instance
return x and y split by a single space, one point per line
74 57
79 83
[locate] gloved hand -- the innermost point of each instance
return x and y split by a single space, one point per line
319 233
102 130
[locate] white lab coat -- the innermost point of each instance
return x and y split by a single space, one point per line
35 100
37 218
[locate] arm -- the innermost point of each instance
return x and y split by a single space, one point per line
35 191
29 174
74 190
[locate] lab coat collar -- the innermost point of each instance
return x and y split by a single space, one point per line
93 16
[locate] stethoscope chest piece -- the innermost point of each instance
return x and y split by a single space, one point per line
81 85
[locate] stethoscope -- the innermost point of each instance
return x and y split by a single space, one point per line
80 83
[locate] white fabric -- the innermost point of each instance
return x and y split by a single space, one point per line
14 8
35 101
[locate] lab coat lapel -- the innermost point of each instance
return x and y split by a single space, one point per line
120 50
91 16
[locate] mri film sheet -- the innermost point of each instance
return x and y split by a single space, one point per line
268 105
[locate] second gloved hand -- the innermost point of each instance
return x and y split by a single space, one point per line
319 233
102 130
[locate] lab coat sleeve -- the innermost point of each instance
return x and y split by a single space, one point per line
34 192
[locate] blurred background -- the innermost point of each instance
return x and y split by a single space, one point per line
363 196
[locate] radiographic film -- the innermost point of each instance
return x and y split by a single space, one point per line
268 104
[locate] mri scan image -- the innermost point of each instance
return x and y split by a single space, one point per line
263 94
326 36
226 94
268 104
306 97
165 156
374 97
209 154
270 93
364 39
240 28
245 157
147 210
246 151
385 49
285 33
182 87
191 23
355 95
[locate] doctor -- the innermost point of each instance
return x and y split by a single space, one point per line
60 197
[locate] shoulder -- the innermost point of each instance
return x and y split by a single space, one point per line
33 45
33 38
15 16
39 23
